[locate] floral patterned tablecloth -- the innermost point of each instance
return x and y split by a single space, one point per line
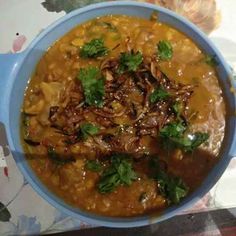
22 210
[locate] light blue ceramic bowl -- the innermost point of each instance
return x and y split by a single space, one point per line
16 69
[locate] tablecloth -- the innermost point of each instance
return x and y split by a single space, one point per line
23 211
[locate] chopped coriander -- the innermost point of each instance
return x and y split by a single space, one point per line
93 165
173 136
191 141
94 48
177 108
120 172
129 61
172 130
158 94
211 60
165 50
87 130
170 187
93 86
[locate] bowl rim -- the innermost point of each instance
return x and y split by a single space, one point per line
136 221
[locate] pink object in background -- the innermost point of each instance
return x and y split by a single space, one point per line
18 43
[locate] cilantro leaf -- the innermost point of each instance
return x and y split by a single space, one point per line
165 50
173 136
93 165
94 48
120 172
198 138
191 141
175 130
211 60
170 187
177 108
87 130
158 94
93 86
129 61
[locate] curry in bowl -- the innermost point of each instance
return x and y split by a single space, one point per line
123 116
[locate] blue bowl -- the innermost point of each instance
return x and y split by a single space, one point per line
16 69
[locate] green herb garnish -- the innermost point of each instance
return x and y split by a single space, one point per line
93 49
129 61
120 172
173 136
93 165
170 187
87 130
211 60
165 50
93 86
158 94
177 108
172 130
191 141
